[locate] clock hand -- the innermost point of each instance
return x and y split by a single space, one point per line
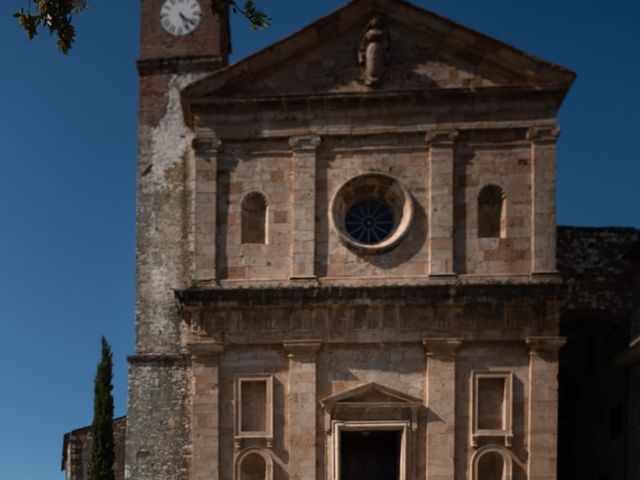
186 20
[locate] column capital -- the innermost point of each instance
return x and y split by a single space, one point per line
306 349
204 144
441 138
441 346
208 350
541 345
543 133
304 143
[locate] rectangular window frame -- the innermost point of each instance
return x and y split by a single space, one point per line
267 434
507 414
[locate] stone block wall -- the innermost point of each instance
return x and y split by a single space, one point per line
443 237
76 451
598 367
244 168
340 159
508 167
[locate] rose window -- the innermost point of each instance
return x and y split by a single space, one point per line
371 213
369 222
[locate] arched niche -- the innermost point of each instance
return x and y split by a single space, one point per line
254 221
492 462
492 212
254 464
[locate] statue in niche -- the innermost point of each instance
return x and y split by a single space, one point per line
373 51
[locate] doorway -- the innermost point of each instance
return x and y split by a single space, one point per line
370 454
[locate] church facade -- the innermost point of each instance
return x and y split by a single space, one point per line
346 252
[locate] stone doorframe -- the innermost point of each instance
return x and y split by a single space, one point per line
339 426
371 407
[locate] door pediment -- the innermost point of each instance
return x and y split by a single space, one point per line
370 394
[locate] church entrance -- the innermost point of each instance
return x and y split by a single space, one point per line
370 455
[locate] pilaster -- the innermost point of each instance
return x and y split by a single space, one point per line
440 216
206 173
441 401
205 410
543 407
543 187
302 408
304 206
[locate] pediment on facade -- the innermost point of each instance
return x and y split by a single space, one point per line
370 394
373 46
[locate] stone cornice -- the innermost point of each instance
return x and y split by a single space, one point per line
304 143
441 138
436 346
169 360
206 144
543 134
540 345
159 66
342 100
304 349
206 349
378 295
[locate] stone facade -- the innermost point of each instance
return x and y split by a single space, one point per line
346 246
76 451
299 335
600 266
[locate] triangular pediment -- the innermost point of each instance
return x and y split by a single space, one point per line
370 393
414 50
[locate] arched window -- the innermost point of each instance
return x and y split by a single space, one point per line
492 462
491 467
492 213
254 464
253 467
254 218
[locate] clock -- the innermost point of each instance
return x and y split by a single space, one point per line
180 17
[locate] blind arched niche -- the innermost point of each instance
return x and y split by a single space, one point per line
492 213
254 223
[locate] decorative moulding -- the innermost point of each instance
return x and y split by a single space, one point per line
367 398
378 187
504 430
241 432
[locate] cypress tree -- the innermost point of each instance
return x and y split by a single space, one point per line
102 449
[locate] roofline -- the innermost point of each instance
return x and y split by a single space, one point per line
195 89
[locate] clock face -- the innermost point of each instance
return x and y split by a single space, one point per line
180 17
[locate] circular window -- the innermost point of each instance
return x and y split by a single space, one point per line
369 222
371 213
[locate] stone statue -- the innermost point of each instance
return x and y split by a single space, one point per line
373 51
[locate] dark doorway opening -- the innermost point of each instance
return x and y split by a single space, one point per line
370 455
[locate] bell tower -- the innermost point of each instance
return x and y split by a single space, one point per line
181 42
183 32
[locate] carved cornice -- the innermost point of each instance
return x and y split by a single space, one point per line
545 133
304 143
205 350
441 138
303 349
374 295
204 145
441 346
541 345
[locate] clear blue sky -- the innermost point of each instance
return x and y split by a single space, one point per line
67 178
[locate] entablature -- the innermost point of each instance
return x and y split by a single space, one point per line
397 314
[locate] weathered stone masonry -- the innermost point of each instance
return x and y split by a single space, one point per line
346 262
